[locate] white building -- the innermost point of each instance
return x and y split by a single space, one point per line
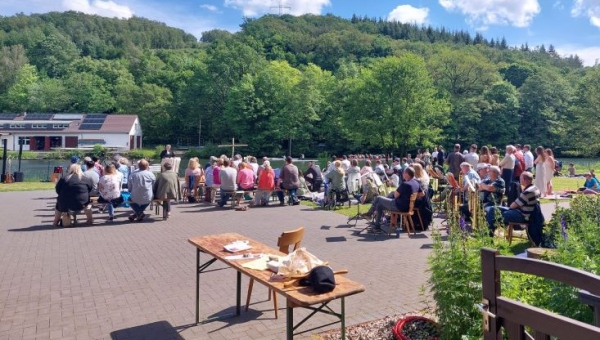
44 131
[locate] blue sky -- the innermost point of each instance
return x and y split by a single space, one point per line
572 26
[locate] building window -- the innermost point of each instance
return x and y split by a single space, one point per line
17 126
60 126
25 140
38 126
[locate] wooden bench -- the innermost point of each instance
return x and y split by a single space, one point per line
161 203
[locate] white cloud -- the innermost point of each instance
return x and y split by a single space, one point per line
99 7
409 14
589 8
253 8
558 5
589 55
210 8
483 13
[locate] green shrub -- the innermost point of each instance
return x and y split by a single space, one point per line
455 270
205 152
15 154
142 153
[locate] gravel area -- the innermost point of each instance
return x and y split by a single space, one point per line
380 329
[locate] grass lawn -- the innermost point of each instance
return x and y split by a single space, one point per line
26 186
567 183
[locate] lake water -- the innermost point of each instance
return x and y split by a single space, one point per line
40 170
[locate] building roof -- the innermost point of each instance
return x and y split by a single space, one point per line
65 123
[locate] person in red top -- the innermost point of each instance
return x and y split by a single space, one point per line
246 177
266 185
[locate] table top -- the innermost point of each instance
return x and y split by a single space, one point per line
302 296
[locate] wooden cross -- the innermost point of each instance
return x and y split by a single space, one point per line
233 145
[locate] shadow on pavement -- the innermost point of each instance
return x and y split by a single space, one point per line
153 331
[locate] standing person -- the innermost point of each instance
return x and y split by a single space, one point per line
140 183
227 177
110 188
314 176
167 153
167 186
485 156
495 158
289 181
454 160
266 185
519 163
528 157
345 163
540 169
550 167
472 157
73 194
441 156
508 165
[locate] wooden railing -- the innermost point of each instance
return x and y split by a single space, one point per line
501 312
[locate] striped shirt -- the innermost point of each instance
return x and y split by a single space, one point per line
527 200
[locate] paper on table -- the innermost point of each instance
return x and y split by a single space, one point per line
258 264
237 246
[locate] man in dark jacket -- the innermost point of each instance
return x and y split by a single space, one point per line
313 176
289 181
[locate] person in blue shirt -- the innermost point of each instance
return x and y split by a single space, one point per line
591 185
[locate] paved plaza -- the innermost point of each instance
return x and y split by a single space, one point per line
126 280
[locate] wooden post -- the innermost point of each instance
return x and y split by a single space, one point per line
490 279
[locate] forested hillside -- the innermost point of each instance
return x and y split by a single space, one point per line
325 83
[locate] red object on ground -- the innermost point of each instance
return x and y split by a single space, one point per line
397 330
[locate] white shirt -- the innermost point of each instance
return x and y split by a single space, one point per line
345 164
472 158
434 154
528 159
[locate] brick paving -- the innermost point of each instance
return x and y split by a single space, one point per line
126 280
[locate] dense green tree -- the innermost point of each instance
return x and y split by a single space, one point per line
12 58
397 105
17 98
544 99
583 132
53 55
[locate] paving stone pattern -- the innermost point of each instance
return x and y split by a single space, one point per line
125 280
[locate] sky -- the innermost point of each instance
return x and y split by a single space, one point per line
572 26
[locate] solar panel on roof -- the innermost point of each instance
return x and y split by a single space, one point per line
90 126
8 116
67 116
38 116
97 118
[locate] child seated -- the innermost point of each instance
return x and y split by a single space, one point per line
572 172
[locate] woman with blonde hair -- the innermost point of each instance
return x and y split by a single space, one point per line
73 194
193 170
109 187
421 176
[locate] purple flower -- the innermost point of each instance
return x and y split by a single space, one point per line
463 224
563 228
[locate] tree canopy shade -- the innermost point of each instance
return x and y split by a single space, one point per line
322 83
396 105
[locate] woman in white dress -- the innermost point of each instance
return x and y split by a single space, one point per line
550 164
540 170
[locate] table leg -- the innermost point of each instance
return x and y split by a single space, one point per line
197 269
238 295
165 212
343 318
289 321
